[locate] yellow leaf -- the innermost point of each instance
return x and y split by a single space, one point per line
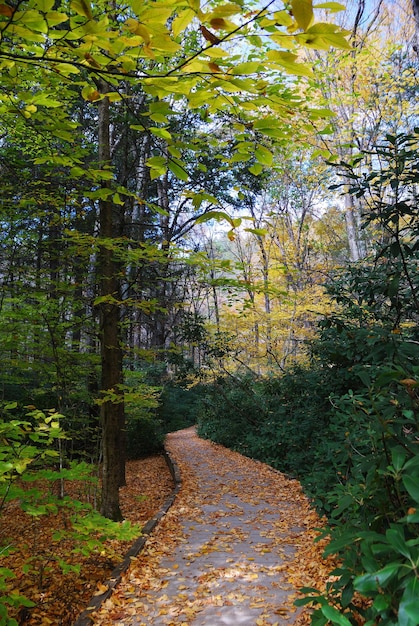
302 10
182 21
82 7
409 382
100 589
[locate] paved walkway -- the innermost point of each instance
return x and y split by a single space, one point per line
225 552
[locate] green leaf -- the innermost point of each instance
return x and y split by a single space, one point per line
412 486
175 152
413 518
412 466
382 602
20 600
5 467
316 114
322 36
249 67
157 165
226 10
157 161
368 583
264 155
260 232
334 616
158 118
44 5
178 168
82 7
256 169
240 157
160 132
53 18
269 126
116 199
182 20
409 604
44 99
108 299
289 61
409 612
398 458
22 464
396 538
32 19
215 215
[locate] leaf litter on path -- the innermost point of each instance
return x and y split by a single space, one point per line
233 549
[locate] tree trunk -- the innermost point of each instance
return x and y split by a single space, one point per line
355 243
112 408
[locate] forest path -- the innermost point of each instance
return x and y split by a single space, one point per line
230 551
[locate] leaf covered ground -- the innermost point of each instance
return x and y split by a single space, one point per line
35 555
162 587
234 548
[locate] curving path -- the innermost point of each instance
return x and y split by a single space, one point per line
227 551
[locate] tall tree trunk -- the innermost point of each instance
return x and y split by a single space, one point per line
352 220
267 299
112 409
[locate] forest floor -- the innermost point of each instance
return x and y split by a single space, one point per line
234 548
58 597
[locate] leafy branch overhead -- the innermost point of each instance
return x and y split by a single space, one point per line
224 57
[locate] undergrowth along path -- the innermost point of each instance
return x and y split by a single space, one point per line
233 549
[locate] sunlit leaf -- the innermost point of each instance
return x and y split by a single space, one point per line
302 10
249 67
256 169
178 168
182 20
264 155
331 6
82 7
163 133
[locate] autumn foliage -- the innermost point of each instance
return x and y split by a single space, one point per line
56 575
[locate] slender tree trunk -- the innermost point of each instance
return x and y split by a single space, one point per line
266 298
112 410
356 247
215 309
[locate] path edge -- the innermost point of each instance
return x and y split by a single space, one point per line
85 617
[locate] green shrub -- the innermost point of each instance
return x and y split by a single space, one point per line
230 408
145 436
178 406
275 420
373 508
144 432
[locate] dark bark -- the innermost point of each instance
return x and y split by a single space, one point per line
112 409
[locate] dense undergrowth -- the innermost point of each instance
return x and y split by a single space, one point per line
347 424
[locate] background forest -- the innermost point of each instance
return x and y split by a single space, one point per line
209 215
